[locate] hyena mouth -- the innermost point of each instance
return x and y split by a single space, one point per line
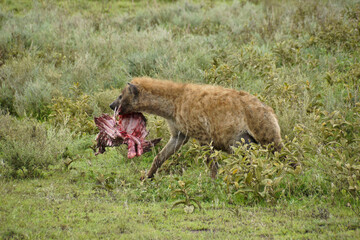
117 111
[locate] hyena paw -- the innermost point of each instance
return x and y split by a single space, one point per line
145 176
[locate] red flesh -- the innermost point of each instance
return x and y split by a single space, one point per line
129 130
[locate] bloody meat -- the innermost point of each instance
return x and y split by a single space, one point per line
130 129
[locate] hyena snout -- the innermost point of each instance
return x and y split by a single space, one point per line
114 105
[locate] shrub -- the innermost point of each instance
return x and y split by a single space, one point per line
14 76
255 174
330 152
27 147
339 151
73 112
221 75
35 99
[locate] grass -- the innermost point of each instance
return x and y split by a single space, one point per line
63 62
107 218
70 205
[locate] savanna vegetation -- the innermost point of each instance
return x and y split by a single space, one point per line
62 63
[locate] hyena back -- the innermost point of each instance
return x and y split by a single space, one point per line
207 113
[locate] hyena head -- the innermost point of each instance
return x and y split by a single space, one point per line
128 100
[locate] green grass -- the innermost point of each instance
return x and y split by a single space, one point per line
63 62
70 205
83 6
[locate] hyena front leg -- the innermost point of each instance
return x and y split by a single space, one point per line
170 148
213 165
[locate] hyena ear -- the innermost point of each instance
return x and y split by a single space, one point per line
133 89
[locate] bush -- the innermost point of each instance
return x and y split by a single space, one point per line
73 112
35 99
14 76
27 147
251 175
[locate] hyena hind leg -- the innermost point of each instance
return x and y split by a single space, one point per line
213 166
245 138
212 161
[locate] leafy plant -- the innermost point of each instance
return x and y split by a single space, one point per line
221 75
255 174
287 52
341 152
190 203
105 182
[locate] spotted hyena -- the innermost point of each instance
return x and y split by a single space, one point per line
207 113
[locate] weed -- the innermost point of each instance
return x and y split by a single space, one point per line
355 207
322 213
190 202
106 183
